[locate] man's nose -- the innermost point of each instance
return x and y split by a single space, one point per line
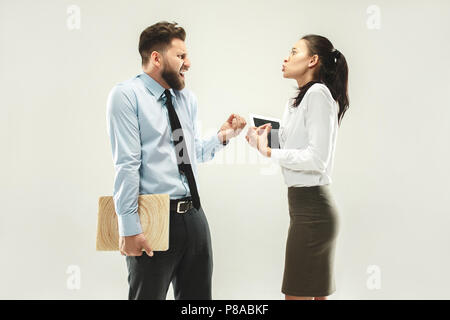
187 63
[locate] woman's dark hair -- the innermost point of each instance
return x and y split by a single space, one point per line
332 71
158 37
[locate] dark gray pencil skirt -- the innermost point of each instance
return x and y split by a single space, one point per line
311 242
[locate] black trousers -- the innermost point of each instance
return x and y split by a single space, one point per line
187 264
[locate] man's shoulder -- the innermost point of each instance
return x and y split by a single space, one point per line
123 95
129 86
126 90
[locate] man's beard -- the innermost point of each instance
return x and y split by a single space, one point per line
172 78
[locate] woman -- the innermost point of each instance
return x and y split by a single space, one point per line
307 135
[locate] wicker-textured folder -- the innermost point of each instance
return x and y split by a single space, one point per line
153 210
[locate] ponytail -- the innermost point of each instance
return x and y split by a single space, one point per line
339 85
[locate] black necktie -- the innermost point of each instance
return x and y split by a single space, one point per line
183 161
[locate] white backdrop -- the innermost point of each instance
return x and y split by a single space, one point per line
59 59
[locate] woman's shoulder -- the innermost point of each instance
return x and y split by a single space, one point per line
320 91
321 88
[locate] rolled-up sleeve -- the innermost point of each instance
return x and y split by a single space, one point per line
205 149
123 131
319 125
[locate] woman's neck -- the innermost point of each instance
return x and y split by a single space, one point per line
304 80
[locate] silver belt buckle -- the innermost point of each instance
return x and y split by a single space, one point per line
178 207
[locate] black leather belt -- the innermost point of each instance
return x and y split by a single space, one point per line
181 205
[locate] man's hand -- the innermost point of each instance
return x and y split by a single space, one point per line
132 245
257 138
232 127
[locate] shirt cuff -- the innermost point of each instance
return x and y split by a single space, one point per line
221 143
129 224
214 142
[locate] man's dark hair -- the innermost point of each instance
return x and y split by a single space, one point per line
158 37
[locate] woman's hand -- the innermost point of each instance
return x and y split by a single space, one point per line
252 137
263 142
257 138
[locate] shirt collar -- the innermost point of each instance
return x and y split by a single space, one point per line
153 86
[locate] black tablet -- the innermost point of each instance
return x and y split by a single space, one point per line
258 120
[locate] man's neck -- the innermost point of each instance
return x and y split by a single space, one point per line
155 76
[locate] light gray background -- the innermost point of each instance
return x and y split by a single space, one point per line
391 174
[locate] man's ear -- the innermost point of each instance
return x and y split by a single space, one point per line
156 59
313 61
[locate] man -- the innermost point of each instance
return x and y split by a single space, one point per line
152 124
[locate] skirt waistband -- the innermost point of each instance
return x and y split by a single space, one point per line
309 188
310 200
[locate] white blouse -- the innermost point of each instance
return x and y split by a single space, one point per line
307 139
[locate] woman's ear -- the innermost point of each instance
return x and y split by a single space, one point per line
313 61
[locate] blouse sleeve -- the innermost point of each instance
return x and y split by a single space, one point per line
319 125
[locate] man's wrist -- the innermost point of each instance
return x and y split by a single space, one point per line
222 138
129 224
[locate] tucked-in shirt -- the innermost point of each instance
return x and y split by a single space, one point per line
307 137
143 152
